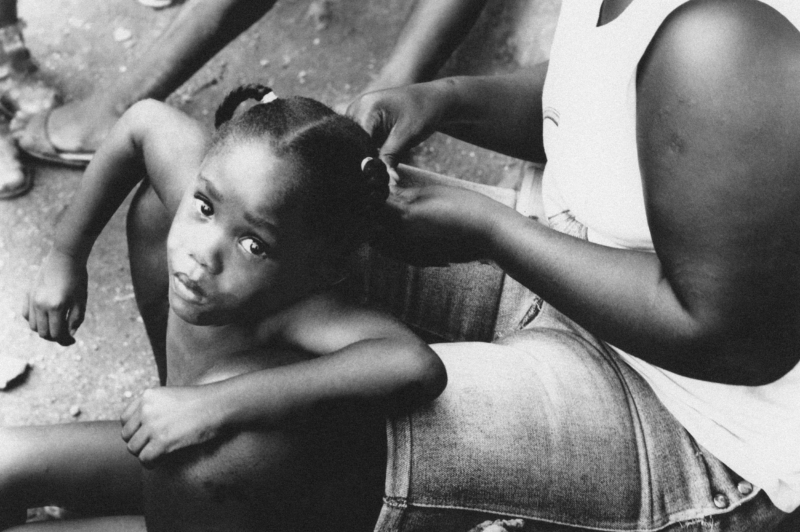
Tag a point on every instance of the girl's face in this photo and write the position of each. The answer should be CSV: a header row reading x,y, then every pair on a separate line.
x,y
237,248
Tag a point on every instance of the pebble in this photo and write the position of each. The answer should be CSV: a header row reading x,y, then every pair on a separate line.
x,y
74,411
127,394
264,62
122,34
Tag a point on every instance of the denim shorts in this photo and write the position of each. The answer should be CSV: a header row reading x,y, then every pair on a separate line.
x,y
540,420
550,425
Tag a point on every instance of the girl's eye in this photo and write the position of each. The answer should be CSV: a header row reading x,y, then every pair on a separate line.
x,y
203,207
254,246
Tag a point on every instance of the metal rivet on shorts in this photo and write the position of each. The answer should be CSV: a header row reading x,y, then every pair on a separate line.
x,y
720,501
745,488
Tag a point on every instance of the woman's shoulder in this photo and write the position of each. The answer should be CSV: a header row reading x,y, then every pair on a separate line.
x,y
740,57
718,36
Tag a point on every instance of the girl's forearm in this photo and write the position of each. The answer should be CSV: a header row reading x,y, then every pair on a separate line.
x,y
386,374
114,171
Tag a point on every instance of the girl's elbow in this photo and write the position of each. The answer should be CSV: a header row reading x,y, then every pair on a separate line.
x,y
430,372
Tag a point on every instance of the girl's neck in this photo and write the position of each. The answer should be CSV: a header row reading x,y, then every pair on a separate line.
x,y
194,350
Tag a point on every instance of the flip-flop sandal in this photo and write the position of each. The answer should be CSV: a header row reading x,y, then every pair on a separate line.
x,y
24,187
34,141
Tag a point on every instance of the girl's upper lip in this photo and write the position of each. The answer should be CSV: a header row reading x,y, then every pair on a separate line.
x,y
190,284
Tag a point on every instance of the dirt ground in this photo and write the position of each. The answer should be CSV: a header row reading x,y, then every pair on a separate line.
x,y
73,40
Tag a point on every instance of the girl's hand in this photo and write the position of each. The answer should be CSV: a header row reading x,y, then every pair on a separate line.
x,y
399,119
438,225
163,420
55,306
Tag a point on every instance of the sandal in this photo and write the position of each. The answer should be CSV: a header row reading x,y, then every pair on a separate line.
x,y
34,141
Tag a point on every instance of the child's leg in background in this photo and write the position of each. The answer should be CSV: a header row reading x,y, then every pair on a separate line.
x,y
148,227
82,466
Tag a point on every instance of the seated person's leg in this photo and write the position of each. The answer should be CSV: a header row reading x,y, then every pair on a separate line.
x,y
84,467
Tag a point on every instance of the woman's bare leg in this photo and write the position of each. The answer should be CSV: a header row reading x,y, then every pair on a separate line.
x,y
85,467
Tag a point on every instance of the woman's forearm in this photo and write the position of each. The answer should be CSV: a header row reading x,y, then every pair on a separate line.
x,y
500,113
621,296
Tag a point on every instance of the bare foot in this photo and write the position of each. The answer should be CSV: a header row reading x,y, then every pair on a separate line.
x,y
81,126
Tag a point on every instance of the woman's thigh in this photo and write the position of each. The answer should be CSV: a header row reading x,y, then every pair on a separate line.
x,y
85,467
552,427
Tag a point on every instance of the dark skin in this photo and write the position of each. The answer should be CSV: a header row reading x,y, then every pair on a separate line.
x,y
718,301
256,428
639,299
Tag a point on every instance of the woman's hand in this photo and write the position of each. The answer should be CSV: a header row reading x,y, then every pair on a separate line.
x,y
399,119
55,306
163,420
438,225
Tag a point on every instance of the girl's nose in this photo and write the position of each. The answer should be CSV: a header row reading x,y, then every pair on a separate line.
x,y
206,252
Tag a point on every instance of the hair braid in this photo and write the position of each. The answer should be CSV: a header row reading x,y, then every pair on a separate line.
x,y
235,98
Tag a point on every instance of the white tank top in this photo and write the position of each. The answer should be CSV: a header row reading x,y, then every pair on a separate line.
x,y
592,170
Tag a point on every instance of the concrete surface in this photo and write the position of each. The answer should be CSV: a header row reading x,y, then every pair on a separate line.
x,y
73,41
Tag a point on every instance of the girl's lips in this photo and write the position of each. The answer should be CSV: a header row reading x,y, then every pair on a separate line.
x,y
187,289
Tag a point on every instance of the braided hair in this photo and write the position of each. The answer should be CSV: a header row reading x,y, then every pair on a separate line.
x,y
340,179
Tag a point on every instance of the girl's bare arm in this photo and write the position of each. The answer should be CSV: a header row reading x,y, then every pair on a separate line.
x,y
151,141
358,358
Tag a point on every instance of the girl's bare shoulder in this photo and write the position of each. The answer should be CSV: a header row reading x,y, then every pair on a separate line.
x,y
326,322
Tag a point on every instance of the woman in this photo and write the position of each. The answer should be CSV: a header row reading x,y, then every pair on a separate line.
x,y
667,398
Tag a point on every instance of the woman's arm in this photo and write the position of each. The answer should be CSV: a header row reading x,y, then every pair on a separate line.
x,y
718,129
151,141
501,113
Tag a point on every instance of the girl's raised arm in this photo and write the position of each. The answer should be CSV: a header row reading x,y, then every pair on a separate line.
x,y
151,141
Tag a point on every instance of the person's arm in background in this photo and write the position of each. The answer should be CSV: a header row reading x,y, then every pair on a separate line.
x,y
718,128
433,30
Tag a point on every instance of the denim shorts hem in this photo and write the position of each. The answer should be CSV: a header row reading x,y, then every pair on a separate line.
x,y
395,509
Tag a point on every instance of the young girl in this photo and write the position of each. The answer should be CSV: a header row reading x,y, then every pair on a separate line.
x,y
263,216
